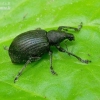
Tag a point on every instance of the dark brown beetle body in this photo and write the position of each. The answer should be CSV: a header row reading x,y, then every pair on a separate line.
x,y
35,43
31,45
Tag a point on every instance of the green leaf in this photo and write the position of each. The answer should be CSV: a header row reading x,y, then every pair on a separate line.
x,y
75,80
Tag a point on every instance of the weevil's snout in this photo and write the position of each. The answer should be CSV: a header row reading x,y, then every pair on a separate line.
x,y
70,37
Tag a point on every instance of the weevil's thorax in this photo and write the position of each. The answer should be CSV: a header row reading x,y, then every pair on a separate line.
x,y
56,37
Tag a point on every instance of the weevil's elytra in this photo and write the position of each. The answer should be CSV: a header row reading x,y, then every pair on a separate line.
x,y
31,45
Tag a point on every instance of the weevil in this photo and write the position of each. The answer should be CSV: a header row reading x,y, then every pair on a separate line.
x,y
31,45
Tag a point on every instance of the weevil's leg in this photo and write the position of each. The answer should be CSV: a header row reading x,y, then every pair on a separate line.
x,y
60,28
51,68
69,53
21,71
6,48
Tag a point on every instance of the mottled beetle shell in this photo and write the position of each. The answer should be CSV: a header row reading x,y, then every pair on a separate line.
x,y
32,43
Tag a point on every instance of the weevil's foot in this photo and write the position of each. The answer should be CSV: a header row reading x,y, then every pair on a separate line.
x,y
15,79
86,61
53,72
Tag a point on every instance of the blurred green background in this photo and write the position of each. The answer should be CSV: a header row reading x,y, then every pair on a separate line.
x,y
75,80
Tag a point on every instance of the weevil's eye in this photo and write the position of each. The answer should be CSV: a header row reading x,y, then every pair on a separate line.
x,y
70,37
